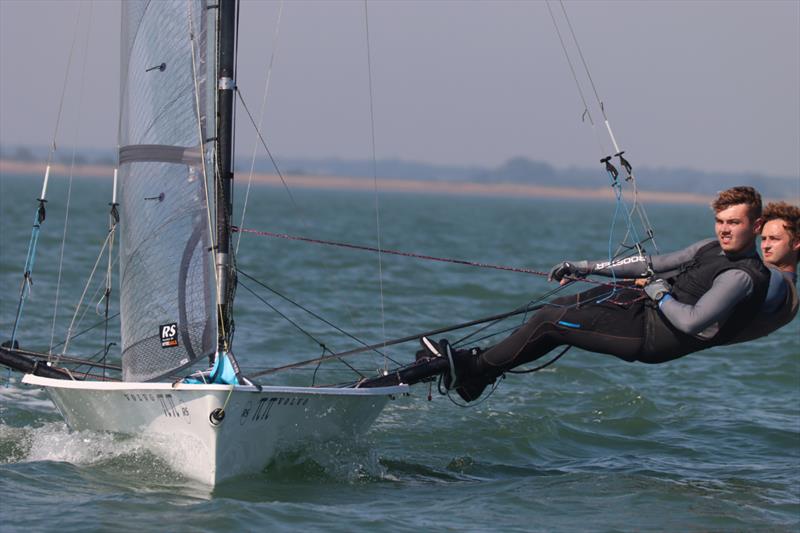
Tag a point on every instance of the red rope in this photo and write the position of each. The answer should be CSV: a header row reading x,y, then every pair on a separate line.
x,y
410,254
390,252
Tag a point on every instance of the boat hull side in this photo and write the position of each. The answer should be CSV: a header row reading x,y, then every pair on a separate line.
x,y
178,424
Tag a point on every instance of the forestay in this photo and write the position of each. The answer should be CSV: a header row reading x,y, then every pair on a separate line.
x,y
166,269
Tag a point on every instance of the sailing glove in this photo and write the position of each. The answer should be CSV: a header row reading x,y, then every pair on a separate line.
x,y
657,289
577,269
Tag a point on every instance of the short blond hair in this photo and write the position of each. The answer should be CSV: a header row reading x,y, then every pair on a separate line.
x,y
739,195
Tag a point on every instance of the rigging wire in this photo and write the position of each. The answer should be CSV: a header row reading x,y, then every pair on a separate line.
x,y
68,359
375,173
64,86
27,280
87,307
400,340
260,119
90,328
83,295
71,176
636,205
586,112
313,314
636,208
269,152
387,251
200,134
588,73
295,324
541,298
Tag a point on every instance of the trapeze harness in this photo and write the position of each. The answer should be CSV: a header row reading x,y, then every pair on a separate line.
x,y
627,326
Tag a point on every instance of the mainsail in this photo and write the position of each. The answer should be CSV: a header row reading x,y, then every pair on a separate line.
x,y
168,314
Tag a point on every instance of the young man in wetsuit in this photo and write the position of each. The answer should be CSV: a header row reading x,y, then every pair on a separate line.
x,y
699,297
780,247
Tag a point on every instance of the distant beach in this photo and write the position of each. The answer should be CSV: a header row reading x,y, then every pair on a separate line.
x,y
431,186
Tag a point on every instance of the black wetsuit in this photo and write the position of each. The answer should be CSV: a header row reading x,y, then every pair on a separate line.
x,y
714,295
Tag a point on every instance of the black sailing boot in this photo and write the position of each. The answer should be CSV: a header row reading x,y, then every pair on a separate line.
x,y
466,375
430,349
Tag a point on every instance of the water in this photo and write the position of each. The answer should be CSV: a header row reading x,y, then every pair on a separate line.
x,y
707,442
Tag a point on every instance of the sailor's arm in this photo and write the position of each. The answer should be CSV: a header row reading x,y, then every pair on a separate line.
x,y
713,308
630,267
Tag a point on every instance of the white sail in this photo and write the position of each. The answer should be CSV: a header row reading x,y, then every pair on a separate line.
x,y
166,270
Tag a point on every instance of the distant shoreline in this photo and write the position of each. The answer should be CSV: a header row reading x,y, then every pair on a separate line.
x,y
463,188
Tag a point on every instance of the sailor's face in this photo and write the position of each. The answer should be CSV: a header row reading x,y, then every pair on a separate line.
x,y
735,231
777,245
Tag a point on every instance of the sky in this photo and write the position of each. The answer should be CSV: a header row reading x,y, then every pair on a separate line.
x,y
709,85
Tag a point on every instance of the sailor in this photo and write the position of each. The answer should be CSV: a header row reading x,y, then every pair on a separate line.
x,y
780,248
702,296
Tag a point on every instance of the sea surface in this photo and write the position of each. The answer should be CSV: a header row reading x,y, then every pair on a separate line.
x,y
709,442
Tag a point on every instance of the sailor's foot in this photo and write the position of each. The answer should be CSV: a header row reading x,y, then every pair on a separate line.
x,y
464,374
430,349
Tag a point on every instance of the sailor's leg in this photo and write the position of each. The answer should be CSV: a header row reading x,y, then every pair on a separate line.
x,y
605,328
531,341
588,320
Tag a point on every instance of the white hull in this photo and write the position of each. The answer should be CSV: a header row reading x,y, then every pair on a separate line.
x,y
257,423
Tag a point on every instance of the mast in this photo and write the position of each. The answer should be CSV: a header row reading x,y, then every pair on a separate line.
x,y
226,86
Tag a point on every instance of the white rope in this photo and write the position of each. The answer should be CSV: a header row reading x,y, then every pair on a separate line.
x,y
94,297
71,175
375,179
260,121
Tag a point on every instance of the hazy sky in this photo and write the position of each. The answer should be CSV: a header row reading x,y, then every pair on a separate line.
x,y
708,85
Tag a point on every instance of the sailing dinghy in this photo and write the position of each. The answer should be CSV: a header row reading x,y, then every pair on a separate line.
x,y
177,271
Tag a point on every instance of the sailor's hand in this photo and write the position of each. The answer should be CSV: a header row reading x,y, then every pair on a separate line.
x,y
563,270
657,289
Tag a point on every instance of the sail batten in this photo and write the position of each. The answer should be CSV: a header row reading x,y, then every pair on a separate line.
x,y
168,318
159,153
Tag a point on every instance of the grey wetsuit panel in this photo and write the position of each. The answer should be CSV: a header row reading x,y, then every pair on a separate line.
x,y
704,318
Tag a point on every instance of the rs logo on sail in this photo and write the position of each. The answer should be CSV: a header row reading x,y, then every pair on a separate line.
x,y
169,335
